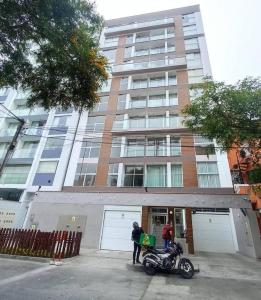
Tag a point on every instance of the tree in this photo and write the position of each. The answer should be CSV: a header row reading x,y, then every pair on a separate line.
x,y
50,47
229,113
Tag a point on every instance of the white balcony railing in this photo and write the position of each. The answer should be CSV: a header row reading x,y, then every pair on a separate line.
x,y
139,25
145,65
7,132
127,125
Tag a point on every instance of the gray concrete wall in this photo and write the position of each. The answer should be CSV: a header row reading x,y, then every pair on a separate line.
x,y
247,233
12,207
46,217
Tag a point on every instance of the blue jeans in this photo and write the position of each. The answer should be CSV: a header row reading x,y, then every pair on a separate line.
x,y
166,243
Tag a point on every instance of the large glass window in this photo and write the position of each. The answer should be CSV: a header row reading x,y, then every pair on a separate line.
x,y
156,121
176,175
190,30
90,147
156,100
142,37
47,167
189,18
121,102
156,175
174,121
53,144
193,60
157,81
156,147
195,76
127,52
138,101
60,121
116,147
173,99
172,79
141,52
124,83
191,44
15,174
139,83
95,124
106,86
204,146
208,176
85,174
111,41
170,32
133,176
135,147
113,175
137,122
110,55
102,104
175,147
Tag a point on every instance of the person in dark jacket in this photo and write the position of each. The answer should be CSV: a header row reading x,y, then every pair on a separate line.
x,y
135,237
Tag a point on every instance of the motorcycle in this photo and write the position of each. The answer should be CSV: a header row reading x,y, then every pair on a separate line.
x,y
167,260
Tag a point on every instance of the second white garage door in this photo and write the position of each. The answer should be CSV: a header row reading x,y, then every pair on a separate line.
x,y
117,228
213,233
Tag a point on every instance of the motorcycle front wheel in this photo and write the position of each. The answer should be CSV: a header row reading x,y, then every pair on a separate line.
x,y
186,268
149,268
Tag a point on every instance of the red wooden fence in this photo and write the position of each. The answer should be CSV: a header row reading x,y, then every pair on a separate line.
x,y
56,244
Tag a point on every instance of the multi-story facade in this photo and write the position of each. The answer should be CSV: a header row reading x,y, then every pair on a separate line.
x,y
131,158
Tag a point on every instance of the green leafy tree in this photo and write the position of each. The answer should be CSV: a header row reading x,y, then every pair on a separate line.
x,y
50,47
229,113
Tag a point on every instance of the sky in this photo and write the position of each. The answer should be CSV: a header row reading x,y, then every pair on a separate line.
x,y
232,28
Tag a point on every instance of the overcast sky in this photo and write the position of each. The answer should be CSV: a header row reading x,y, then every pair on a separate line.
x,y
232,27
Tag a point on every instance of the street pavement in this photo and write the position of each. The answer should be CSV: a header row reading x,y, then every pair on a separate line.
x,y
110,275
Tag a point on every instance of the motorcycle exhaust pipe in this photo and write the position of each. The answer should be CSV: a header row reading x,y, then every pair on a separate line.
x,y
155,264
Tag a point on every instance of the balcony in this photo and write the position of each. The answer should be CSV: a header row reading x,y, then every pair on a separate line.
x,y
161,124
156,65
30,112
7,132
24,153
138,26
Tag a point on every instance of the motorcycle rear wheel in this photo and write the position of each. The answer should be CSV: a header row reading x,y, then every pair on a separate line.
x,y
186,268
149,269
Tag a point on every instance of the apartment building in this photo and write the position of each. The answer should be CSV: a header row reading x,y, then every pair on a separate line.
x,y
131,158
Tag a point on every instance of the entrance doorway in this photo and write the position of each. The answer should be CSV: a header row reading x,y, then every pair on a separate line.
x,y
158,218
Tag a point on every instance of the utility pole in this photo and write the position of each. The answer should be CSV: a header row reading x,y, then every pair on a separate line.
x,y
13,143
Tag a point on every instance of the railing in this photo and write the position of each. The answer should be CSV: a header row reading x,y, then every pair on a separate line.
x,y
135,66
24,153
13,178
56,244
34,132
126,125
7,132
139,25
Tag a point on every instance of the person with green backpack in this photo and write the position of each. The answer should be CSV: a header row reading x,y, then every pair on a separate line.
x,y
135,237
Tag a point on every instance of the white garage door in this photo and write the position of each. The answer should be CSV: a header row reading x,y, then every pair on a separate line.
x,y
117,228
213,233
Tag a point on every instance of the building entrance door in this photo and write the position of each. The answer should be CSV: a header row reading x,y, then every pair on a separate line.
x,y
158,218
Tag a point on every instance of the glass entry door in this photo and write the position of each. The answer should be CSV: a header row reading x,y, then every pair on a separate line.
x,y
158,218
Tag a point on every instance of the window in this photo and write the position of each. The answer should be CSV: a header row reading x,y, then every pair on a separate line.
x,y
189,18
137,122
141,52
135,147
156,147
174,121
176,175
102,105
110,55
133,176
90,148
156,121
106,87
157,50
208,176
172,79
190,30
173,99
113,175
194,93
191,44
156,176
204,146
195,76
193,60
121,102
139,83
85,174
129,39
111,42
170,32
53,144
116,147
175,148
157,81
138,102
60,121
156,100
3,148
124,83
157,34
95,124
142,37
171,47
47,167
127,52
15,174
